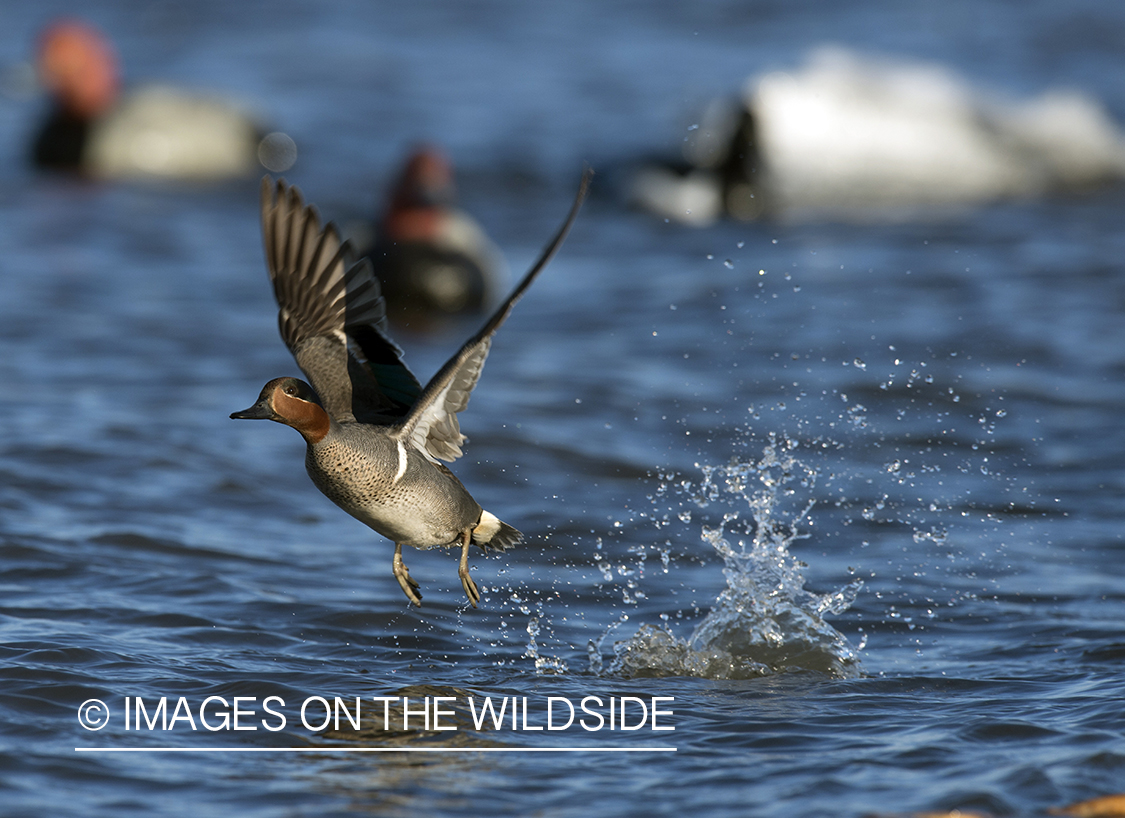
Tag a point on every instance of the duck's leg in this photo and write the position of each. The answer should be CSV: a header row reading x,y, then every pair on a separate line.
x,y
463,571
408,584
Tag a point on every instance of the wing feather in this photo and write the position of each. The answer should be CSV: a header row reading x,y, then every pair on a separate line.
x,y
331,313
431,426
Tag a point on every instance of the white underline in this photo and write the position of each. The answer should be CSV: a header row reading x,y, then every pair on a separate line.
x,y
375,749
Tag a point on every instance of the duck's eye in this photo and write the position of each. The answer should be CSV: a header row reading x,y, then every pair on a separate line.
x,y
291,391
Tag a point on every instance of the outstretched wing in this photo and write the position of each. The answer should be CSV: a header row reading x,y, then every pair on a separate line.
x,y
431,427
331,313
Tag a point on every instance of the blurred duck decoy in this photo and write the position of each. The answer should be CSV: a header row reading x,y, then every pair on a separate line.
x,y
432,258
860,137
154,131
375,438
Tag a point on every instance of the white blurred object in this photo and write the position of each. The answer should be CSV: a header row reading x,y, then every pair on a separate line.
x,y
851,131
868,138
158,131
694,198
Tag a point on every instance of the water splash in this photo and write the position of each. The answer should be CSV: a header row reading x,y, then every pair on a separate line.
x,y
764,621
538,625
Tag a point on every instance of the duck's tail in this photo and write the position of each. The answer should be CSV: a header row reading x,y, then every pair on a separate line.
x,y
493,535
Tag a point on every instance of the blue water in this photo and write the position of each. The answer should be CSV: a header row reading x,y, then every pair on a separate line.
x,y
860,483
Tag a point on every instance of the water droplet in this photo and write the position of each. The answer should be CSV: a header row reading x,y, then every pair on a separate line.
x,y
277,152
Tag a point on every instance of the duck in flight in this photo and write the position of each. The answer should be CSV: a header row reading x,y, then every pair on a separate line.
x,y
375,437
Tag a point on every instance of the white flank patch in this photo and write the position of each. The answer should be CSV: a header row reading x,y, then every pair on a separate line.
x,y
487,528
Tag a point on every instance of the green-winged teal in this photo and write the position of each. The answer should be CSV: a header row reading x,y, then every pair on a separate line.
x,y
375,437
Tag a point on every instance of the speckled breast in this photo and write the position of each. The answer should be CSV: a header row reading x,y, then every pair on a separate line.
x,y
424,508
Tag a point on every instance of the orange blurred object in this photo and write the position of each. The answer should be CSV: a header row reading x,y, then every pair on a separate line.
x,y
78,65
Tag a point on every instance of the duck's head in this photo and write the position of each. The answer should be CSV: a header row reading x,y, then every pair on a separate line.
x,y
292,402
77,65
426,180
423,193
